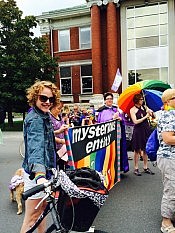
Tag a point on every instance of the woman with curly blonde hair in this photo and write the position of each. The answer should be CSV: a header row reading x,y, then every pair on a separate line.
x,y
39,147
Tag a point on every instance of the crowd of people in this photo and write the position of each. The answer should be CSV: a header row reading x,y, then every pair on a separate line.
x,y
44,128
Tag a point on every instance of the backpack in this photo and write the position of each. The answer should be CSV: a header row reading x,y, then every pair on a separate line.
x,y
152,146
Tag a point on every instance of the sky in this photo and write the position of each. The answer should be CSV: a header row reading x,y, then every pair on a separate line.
x,y
36,7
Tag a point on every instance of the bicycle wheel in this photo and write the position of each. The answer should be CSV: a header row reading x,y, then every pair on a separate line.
x,y
21,149
52,228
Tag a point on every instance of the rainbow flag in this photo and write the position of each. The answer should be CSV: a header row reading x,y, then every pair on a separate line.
x,y
98,147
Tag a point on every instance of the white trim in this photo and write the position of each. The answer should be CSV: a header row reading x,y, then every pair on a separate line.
x,y
75,63
171,36
124,47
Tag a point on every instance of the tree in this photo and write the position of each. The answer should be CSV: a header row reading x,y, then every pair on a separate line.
x,y
134,77
23,58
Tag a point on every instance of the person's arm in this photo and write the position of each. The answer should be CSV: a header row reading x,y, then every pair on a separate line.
x,y
59,140
35,147
151,113
134,119
168,137
61,129
116,116
83,122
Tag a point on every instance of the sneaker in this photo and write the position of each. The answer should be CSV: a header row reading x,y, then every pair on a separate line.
x,y
167,229
148,171
137,172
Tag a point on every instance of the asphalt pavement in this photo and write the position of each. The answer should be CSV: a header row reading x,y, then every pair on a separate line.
x,y
133,204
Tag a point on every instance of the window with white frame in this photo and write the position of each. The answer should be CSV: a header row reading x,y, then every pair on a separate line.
x,y
65,80
147,42
85,37
86,79
64,40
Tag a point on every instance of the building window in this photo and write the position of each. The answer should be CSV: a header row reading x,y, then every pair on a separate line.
x,y
147,42
86,79
85,38
65,80
64,40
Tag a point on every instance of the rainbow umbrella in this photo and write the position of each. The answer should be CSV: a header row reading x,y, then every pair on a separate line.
x,y
151,90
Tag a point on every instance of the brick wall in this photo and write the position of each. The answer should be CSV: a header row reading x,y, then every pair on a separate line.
x,y
74,38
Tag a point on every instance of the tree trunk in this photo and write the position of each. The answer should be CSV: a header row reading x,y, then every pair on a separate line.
x,y
10,119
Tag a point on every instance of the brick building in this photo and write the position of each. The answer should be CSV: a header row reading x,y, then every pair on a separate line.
x,y
93,40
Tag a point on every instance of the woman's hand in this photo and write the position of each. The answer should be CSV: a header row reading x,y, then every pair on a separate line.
x,y
150,112
116,116
147,115
42,180
61,129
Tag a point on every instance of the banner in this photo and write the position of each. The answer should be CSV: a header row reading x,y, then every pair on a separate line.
x,y
98,147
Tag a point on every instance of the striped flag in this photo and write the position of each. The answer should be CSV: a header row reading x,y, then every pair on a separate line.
x,y
69,150
117,81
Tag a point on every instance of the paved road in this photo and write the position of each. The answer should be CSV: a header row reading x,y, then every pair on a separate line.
x,y
10,160
133,205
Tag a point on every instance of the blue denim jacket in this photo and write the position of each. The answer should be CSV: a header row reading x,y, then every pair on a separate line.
x,y
39,142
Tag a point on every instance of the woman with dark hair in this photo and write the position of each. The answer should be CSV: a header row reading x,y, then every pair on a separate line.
x,y
108,111
139,115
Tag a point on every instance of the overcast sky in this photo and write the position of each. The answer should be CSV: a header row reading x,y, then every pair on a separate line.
x,y
36,7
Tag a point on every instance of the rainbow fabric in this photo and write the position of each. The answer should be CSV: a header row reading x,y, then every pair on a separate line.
x,y
105,160
168,108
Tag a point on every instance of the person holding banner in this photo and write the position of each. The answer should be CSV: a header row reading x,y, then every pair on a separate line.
x,y
108,111
59,126
111,112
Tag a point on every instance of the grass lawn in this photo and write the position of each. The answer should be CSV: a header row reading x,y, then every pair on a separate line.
x,y
17,126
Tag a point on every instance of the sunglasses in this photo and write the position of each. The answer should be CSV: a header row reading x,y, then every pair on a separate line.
x,y
44,98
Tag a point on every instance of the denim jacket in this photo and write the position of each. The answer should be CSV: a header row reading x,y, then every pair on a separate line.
x,y
39,142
